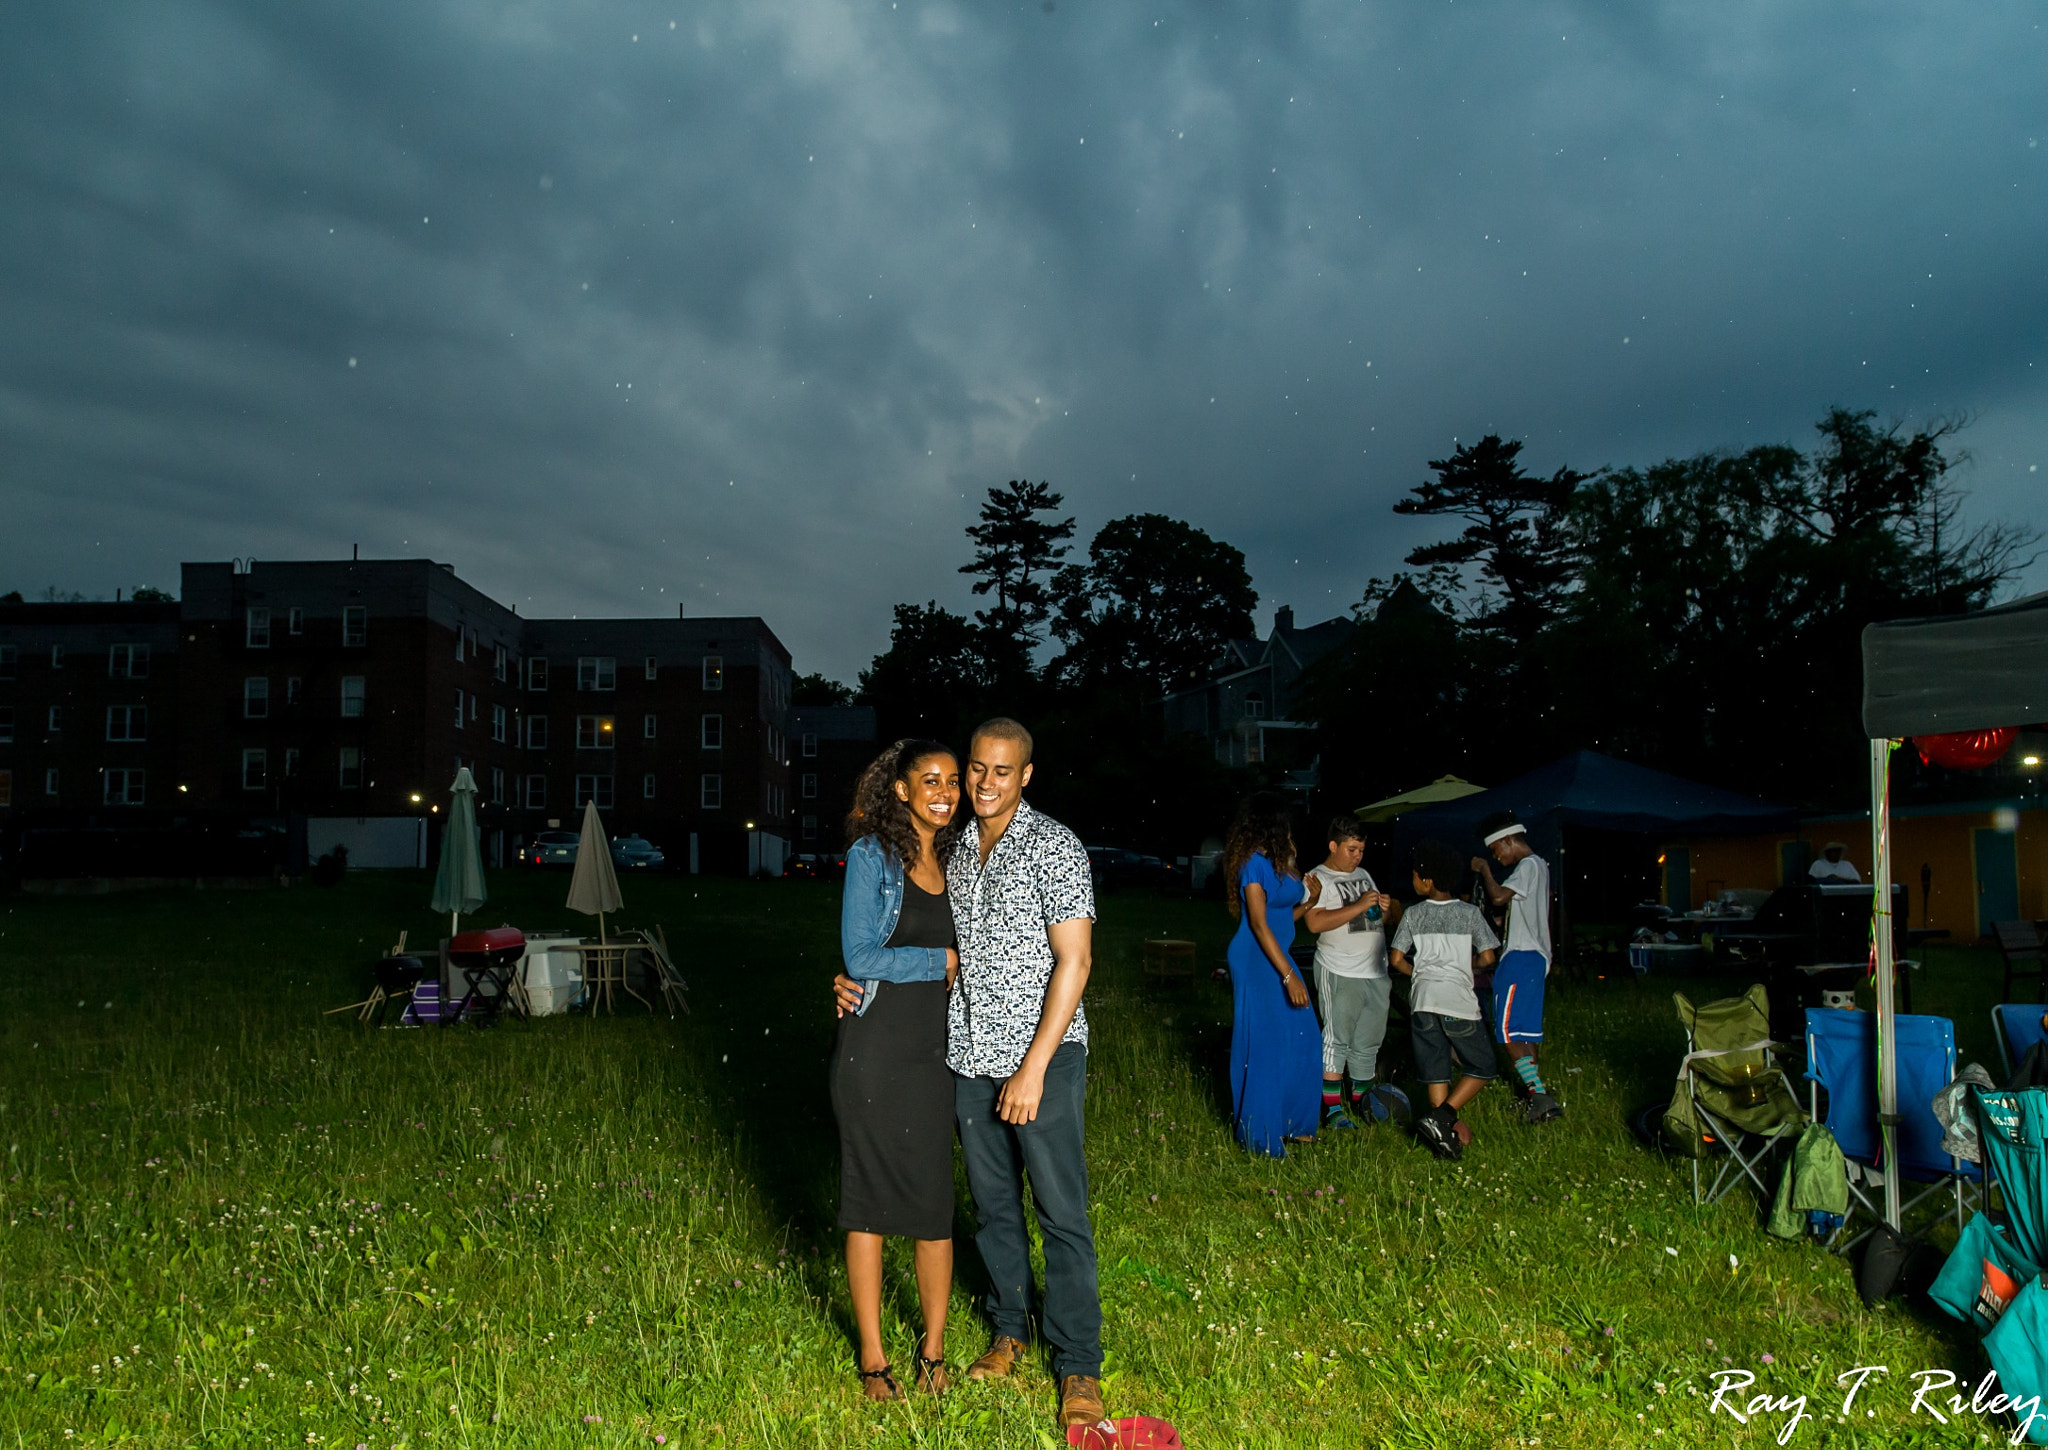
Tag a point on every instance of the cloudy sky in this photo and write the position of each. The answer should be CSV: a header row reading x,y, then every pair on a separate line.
x,y
742,306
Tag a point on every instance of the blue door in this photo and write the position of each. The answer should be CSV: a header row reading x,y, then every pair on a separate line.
x,y
1678,878
1998,878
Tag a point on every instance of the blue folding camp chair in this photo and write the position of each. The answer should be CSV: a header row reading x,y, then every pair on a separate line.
x,y
1841,1059
2019,1029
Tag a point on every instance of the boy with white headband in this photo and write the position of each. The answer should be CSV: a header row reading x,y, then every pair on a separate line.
x,y
1525,962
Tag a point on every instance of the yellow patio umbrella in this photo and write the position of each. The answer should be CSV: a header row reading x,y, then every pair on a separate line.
x,y
1443,788
594,887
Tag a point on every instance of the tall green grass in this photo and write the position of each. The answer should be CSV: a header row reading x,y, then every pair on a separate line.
x,y
226,1219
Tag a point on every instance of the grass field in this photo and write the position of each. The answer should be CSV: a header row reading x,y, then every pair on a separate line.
x,y
226,1219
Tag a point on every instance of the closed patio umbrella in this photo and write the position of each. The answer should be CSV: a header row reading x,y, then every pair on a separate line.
x,y
459,883
594,888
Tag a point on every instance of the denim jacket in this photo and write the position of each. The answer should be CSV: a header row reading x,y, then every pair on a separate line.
x,y
868,914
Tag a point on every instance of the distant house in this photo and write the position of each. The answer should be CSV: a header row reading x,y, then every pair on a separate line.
x,y
1247,708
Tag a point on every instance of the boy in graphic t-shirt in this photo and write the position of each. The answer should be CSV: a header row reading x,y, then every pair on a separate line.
x,y
1351,917
1439,943
1525,965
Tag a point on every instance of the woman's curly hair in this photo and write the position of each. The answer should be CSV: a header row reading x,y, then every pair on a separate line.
x,y
1262,824
877,812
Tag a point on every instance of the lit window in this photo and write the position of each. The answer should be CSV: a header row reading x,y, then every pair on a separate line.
x,y
714,672
355,626
711,733
352,697
257,628
711,792
597,673
595,732
255,769
256,698
127,722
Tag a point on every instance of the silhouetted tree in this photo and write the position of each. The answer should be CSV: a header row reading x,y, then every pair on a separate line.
x,y
930,679
1016,551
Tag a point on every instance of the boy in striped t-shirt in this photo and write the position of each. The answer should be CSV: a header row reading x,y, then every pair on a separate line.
x,y
1438,944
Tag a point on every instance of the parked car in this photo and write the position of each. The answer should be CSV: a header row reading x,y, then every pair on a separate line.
x,y
1113,866
636,853
552,848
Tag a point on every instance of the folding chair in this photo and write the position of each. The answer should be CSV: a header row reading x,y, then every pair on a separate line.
x,y
2019,1030
1841,1059
2020,944
1736,1090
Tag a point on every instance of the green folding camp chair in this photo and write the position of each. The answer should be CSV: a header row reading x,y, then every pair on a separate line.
x,y
1731,1095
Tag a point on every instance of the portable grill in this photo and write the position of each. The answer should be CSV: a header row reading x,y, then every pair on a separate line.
x,y
486,957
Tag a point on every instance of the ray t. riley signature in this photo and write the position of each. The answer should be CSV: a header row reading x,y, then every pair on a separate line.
x,y
1934,1394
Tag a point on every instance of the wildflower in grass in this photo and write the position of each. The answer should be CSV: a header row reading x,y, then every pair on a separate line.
x,y
1770,1359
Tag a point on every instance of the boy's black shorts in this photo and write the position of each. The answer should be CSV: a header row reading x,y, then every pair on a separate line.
x,y
1448,1047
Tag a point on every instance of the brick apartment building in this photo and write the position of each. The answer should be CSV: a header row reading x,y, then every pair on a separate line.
x,y
834,744
347,694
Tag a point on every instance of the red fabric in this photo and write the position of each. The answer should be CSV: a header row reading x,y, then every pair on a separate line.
x,y
1966,749
496,939
1136,1432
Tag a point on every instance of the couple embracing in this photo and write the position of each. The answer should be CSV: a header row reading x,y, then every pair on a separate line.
x,y
967,943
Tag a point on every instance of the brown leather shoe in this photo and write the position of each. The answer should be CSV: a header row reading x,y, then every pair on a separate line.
x,y
1081,1400
1001,1358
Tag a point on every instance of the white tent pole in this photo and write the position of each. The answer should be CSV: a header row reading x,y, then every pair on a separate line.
x,y
1881,938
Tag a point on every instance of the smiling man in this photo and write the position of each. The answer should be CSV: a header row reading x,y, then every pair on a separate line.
x,y
1017,1041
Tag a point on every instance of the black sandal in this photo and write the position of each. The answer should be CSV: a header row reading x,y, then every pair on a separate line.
x,y
880,1384
931,1374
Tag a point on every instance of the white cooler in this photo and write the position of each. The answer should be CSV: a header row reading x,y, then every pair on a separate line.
x,y
552,971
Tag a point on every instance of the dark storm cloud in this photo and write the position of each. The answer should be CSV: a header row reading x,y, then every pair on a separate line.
x,y
741,306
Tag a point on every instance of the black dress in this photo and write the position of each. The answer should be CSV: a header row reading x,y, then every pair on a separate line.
x,y
893,1094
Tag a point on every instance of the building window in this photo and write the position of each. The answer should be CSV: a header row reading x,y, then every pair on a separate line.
x,y
537,675
6,787
351,777
127,722
291,762
295,621
1255,707
646,727
498,662
536,792
256,628
458,710
56,656
497,786
810,828
536,732
352,697
128,662
597,672
595,732
594,788
810,744
650,667
256,698
255,769
6,724
293,688
355,626
56,720
714,672
121,788
711,732
10,661
810,787
50,782
711,792
499,717
647,786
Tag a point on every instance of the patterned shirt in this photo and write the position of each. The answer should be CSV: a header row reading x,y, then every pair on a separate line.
x,y
1440,940
1035,878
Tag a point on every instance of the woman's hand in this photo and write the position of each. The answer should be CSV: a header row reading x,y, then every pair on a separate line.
x,y
1297,990
952,967
846,994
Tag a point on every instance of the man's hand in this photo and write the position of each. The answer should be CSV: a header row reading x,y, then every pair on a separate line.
x,y
847,994
1017,1103
1483,867
1297,990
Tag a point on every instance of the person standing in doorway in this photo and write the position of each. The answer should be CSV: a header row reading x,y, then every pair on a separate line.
x,y
1524,967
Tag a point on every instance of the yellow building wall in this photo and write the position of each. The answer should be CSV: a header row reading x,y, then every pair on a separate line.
x,y
1945,845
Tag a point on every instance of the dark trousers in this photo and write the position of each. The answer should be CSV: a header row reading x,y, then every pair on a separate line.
x,y
1049,1148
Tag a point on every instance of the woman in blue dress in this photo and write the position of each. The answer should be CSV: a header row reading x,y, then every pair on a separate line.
x,y
1276,1047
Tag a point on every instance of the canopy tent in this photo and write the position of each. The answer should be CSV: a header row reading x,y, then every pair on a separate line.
x,y
1443,788
1586,788
1938,676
